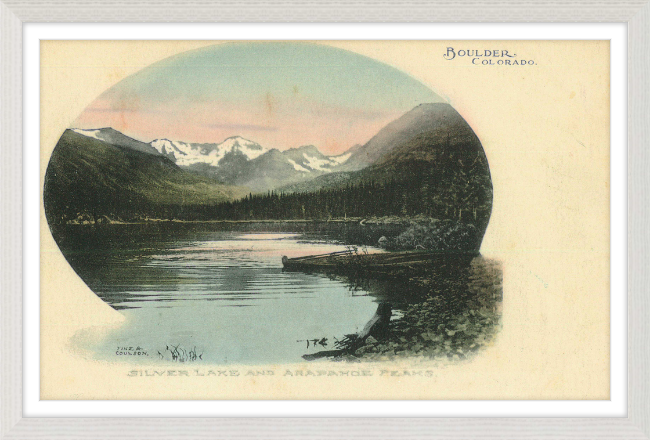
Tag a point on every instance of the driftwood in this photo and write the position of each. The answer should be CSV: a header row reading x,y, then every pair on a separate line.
x,y
377,264
378,324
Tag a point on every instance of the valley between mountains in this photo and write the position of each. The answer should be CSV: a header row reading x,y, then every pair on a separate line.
x,y
426,164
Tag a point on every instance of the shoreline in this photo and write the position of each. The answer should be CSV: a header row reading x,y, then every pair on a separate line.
x,y
357,220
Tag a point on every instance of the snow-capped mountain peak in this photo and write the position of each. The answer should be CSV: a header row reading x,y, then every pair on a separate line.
x,y
308,158
186,154
238,141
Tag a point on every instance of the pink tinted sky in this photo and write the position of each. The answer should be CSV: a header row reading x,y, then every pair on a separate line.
x,y
281,95
273,123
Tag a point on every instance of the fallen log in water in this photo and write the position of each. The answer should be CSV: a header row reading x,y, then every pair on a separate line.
x,y
381,263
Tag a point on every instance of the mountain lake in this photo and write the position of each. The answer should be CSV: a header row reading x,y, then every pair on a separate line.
x,y
216,293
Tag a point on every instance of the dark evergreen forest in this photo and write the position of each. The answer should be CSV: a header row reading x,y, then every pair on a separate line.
x,y
430,193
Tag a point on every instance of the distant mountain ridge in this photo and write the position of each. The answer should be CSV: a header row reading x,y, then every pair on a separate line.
x,y
236,160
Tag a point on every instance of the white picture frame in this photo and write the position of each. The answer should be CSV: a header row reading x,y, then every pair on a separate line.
x,y
13,425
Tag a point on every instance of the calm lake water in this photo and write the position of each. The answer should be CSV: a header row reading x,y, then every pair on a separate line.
x,y
219,294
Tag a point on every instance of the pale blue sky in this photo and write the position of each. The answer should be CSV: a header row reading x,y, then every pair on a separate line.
x,y
279,94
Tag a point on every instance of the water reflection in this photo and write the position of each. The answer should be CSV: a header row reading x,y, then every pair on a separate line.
x,y
220,294
206,293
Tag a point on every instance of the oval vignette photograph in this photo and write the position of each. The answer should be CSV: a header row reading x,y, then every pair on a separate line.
x,y
265,203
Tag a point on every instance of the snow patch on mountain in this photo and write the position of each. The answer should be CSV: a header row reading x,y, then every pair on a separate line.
x,y
317,164
298,167
341,158
93,133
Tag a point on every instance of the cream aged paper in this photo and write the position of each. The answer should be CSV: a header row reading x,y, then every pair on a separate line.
x,y
325,220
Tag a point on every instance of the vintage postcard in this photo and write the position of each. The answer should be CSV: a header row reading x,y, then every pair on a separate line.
x,y
325,220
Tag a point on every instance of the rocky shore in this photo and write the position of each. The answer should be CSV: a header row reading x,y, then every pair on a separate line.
x,y
456,313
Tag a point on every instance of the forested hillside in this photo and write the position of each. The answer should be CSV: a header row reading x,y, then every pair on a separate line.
x,y
90,179
423,190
